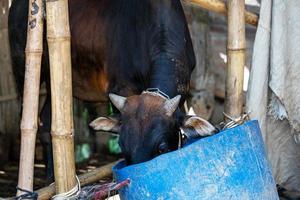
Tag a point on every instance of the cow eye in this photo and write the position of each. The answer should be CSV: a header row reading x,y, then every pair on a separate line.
x,y
162,148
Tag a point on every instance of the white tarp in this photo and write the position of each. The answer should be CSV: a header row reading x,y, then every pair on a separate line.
x,y
274,87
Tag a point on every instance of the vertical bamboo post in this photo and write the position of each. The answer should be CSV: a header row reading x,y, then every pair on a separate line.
x,y
34,48
58,37
236,58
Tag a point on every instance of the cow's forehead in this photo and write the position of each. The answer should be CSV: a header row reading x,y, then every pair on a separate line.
x,y
142,110
147,100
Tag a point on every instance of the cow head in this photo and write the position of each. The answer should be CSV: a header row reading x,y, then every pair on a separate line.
x,y
149,125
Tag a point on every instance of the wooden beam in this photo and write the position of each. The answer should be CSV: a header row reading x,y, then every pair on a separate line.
x,y
85,179
219,6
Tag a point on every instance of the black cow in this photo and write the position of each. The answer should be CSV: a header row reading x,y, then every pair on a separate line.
x,y
137,51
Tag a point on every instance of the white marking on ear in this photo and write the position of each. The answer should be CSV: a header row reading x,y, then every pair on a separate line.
x,y
194,127
105,124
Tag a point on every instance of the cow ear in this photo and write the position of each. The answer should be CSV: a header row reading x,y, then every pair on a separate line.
x,y
106,124
171,105
194,127
118,101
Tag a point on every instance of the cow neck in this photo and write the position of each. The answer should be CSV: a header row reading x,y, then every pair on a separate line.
x,y
163,76
164,89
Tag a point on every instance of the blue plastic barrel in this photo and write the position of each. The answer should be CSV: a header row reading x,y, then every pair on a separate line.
x,y
229,165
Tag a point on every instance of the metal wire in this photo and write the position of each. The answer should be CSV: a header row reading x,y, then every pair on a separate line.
x,y
233,122
71,195
27,195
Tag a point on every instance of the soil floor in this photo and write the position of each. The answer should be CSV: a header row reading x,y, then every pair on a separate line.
x,y
9,176
9,173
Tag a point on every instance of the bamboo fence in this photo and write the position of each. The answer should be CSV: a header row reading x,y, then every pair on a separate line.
x,y
58,37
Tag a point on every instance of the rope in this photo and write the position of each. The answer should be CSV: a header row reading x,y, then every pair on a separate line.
x,y
27,194
157,91
70,195
233,122
105,190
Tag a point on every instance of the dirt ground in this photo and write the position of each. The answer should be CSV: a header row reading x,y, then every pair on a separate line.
x,y
9,176
9,173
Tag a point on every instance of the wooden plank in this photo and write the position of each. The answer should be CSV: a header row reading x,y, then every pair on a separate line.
x,y
219,6
9,111
85,179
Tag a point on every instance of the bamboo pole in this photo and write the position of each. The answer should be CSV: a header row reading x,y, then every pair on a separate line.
x,y
58,37
219,6
85,179
236,58
34,48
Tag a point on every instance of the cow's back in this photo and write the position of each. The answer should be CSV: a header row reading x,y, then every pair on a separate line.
x,y
110,45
